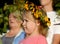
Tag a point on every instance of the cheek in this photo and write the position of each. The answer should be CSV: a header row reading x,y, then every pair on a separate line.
x,y
31,26
16,23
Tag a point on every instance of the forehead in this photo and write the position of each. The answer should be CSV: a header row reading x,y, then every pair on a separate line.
x,y
14,15
28,15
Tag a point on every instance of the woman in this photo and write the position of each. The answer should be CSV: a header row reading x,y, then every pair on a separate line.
x,y
15,32
54,30
35,25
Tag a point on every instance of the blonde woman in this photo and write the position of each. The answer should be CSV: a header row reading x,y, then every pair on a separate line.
x,y
15,33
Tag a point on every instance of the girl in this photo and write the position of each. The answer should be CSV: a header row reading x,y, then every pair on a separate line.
x,y
35,23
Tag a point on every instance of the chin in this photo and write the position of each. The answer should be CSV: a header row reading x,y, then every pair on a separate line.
x,y
27,32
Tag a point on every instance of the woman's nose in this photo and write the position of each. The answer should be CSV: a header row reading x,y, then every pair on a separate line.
x,y
11,19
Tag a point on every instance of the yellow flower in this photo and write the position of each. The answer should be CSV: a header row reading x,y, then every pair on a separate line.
x,y
48,23
36,7
36,15
46,19
26,1
26,6
40,13
32,4
33,10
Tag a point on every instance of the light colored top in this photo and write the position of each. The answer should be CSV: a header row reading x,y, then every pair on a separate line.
x,y
37,39
20,36
55,26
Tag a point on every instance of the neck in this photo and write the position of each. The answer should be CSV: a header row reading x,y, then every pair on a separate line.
x,y
14,31
15,28
48,7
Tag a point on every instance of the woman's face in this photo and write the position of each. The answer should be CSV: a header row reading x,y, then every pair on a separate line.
x,y
13,21
45,2
28,24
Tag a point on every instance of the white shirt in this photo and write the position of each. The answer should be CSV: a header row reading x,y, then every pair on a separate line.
x,y
54,28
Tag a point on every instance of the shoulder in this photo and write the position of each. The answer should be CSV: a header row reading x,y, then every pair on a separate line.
x,y
36,40
51,15
20,33
42,38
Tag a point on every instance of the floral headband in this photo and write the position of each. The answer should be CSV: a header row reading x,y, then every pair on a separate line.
x,y
38,13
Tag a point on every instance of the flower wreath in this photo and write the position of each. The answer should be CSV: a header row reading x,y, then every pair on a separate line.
x,y
38,13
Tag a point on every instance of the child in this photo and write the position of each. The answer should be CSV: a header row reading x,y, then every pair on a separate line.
x,y
35,23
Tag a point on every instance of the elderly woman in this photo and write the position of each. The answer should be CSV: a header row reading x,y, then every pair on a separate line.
x,y
16,32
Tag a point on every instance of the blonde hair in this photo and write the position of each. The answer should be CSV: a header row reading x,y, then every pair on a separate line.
x,y
41,29
17,15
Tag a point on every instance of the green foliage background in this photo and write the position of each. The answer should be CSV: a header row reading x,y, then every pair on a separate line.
x,y
4,16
